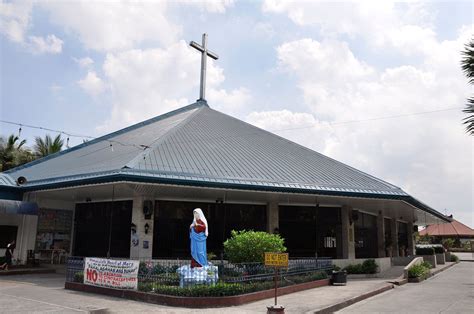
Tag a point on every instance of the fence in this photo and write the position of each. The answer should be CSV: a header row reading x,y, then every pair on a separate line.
x,y
179,273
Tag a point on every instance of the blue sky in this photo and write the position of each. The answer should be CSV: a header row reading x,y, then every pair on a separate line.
x,y
93,67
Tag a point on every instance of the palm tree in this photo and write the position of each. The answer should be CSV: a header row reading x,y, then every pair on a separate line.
x,y
467,65
48,146
13,153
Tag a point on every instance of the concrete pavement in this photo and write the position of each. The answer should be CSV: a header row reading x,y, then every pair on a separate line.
x,y
451,291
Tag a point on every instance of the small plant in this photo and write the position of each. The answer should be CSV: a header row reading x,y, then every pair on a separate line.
x,y
79,277
418,271
250,246
454,258
211,256
427,264
354,269
424,251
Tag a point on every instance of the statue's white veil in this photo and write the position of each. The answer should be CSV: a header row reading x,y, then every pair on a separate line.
x,y
202,217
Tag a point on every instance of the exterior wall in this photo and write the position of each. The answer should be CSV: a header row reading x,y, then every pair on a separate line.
x,y
348,248
384,263
380,235
26,236
138,218
394,235
272,216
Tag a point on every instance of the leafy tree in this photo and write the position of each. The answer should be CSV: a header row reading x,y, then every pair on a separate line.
x,y
467,65
48,146
13,152
250,246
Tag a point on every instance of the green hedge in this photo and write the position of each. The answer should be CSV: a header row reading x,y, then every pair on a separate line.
x,y
418,271
454,258
367,267
424,251
438,250
227,289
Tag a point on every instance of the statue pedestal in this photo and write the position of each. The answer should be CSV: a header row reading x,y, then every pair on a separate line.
x,y
207,275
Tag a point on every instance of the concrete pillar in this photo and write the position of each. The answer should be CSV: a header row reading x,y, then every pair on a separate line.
x,y
144,249
272,216
411,239
380,235
394,236
348,248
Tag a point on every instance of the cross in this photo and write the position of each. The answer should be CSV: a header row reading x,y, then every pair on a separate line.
x,y
204,53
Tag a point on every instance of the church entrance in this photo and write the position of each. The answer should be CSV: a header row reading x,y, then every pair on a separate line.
x,y
365,234
172,220
310,231
102,228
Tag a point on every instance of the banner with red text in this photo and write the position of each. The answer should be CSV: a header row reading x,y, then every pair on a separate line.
x,y
118,274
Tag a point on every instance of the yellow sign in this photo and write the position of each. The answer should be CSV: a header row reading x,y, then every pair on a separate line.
x,y
276,259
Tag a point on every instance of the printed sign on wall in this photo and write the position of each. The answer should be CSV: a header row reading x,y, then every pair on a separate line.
x,y
118,274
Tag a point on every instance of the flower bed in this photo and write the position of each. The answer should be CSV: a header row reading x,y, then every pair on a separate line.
x,y
419,272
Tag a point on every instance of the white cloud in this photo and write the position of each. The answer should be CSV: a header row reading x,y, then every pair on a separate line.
x,y
84,62
406,26
14,19
50,44
114,25
92,84
212,6
233,102
424,154
147,82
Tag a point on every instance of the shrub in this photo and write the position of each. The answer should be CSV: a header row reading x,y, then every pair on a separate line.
x,y
418,271
369,266
354,269
438,250
424,251
250,246
427,264
454,258
79,277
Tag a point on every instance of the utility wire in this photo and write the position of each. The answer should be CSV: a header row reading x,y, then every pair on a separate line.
x,y
144,147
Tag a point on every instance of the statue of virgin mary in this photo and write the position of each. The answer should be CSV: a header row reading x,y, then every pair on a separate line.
x,y
198,232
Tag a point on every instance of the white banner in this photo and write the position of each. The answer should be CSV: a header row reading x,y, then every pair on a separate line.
x,y
118,274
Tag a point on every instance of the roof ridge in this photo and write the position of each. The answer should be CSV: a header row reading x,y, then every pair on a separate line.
x,y
192,106
132,163
313,151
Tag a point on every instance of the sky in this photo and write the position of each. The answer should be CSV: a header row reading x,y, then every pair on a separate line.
x,y
374,84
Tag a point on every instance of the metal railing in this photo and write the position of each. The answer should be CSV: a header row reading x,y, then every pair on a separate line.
x,y
178,272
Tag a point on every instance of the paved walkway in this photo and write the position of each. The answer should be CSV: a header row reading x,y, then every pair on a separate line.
x,y
451,291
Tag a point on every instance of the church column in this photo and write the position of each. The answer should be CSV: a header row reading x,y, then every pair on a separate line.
x,y
380,235
144,247
394,236
272,215
411,239
348,248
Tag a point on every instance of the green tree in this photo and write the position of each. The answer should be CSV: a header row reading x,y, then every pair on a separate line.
x,y
13,152
467,65
48,146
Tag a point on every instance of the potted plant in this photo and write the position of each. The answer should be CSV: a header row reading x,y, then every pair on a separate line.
x,y
339,277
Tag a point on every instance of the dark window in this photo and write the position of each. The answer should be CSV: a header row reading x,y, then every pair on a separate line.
x,y
402,236
7,235
309,230
172,220
97,224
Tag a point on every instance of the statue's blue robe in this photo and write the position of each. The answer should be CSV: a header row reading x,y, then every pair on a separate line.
x,y
198,247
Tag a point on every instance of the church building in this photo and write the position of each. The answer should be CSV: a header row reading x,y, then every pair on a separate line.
x,y
131,193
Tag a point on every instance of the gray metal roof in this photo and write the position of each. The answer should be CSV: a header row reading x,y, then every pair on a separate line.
x,y
197,143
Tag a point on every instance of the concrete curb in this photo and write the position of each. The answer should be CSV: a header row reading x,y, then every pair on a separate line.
x,y
442,269
339,306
